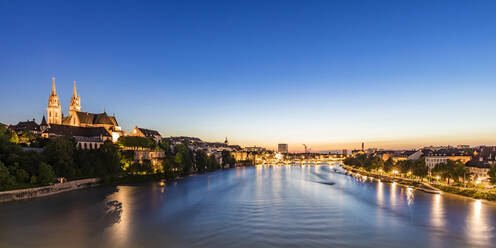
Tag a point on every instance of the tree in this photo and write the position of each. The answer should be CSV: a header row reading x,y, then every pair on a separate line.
x,y
420,169
405,166
389,165
170,168
13,137
492,174
228,159
458,170
21,176
27,138
59,153
110,159
33,180
442,171
451,170
45,173
201,160
184,158
212,163
165,145
145,167
40,142
350,161
373,163
6,179
136,142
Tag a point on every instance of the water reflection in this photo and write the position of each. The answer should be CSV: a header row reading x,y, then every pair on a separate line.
x,y
392,195
251,207
120,208
437,212
380,193
409,195
478,229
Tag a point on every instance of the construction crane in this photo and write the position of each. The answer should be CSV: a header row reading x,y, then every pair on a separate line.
x,y
306,149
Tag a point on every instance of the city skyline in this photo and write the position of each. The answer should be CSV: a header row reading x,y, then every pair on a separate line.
x,y
293,74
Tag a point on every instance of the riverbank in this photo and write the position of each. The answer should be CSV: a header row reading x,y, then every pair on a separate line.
x,y
20,194
28,193
427,187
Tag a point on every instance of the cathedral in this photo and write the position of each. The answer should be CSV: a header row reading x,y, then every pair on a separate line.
x,y
77,118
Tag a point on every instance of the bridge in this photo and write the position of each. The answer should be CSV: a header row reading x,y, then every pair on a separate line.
x,y
302,162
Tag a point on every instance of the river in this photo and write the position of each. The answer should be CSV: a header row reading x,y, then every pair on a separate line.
x,y
269,206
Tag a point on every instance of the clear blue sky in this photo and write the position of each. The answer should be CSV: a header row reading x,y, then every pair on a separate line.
x,y
326,73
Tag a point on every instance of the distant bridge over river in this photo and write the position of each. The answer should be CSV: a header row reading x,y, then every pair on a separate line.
x,y
305,162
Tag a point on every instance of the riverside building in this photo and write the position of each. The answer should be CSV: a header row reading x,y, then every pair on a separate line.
x,y
282,148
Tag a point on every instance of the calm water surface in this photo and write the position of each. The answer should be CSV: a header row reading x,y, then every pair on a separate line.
x,y
250,207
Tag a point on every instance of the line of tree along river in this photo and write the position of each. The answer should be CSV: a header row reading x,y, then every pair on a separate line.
x,y
452,176
61,159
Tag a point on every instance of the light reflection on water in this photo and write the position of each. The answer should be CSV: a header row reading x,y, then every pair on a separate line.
x,y
479,231
437,212
251,207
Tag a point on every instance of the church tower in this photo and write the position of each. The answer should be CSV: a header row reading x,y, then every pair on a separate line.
x,y
75,102
54,111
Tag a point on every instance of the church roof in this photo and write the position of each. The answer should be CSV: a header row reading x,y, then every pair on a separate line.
x,y
26,126
56,129
93,119
149,132
43,122
66,120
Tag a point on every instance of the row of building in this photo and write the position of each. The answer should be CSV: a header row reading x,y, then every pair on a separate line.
x,y
477,159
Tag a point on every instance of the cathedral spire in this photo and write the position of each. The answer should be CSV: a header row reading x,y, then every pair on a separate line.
x,y
54,93
54,111
74,94
75,102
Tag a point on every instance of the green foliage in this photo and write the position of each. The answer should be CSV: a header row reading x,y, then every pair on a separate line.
x,y
59,153
388,165
6,179
144,168
27,138
416,167
13,137
127,159
420,169
212,163
475,193
136,142
165,145
45,174
170,169
16,166
21,176
39,142
373,163
110,158
201,161
451,170
492,174
33,180
350,161
368,163
228,159
184,159
178,159
60,158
